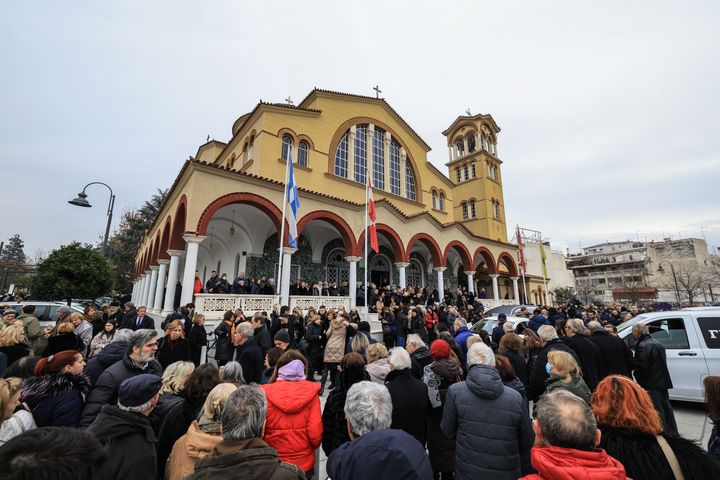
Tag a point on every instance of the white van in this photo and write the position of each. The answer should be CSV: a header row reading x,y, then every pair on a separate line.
x,y
691,339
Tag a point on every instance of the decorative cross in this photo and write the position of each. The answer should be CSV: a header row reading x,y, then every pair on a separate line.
x,y
289,101
377,91
468,112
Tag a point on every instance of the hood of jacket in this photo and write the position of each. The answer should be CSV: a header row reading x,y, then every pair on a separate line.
x,y
446,368
112,352
485,382
113,423
36,389
567,464
291,397
198,443
379,368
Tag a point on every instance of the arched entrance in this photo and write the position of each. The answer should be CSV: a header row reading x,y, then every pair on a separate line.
x,y
380,271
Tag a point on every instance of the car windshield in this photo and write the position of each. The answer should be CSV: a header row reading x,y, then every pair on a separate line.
x,y
632,321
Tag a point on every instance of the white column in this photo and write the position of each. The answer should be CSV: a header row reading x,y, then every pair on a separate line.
x,y
351,153
141,289
146,289
153,287
440,281
403,164
516,291
159,289
496,291
285,275
352,282
134,291
470,281
175,256
193,244
451,153
401,270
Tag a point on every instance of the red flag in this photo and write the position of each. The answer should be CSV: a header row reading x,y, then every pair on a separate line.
x,y
372,216
523,264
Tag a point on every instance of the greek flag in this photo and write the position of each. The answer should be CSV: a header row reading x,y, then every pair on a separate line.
x,y
294,201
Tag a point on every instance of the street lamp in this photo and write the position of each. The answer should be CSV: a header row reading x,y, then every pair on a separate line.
x,y
672,269
81,201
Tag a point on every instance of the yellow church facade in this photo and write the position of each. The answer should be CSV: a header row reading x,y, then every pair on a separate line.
x,y
224,210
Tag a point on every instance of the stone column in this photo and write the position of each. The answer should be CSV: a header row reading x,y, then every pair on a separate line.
x,y
193,244
153,286
440,282
146,288
175,256
352,281
496,291
401,266
285,275
465,144
471,281
159,289
451,153
516,291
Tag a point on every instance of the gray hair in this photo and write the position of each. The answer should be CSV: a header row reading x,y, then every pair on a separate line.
x,y
480,354
129,305
641,329
566,421
139,409
140,337
245,329
368,407
414,340
594,326
547,332
576,325
508,327
122,335
461,321
232,372
244,414
399,358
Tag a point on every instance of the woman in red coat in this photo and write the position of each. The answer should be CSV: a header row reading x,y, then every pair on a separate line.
x,y
294,423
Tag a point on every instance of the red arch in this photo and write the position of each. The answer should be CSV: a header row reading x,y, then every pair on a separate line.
x,y
461,250
165,240
435,253
336,221
155,250
261,203
488,257
178,225
392,237
509,262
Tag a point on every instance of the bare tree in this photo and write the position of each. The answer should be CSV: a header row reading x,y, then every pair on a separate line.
x,y
691,281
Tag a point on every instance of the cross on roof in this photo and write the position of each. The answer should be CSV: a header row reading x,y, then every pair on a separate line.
x,y
289,101
468,112
377,91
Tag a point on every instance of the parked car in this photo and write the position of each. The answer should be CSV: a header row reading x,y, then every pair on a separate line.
x,y
691,338
488,324
46,312
508,310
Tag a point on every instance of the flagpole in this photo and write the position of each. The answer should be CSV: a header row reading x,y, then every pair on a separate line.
x,y
543,257
365,255
282,222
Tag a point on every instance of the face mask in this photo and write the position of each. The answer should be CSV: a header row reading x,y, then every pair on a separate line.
x,y
547,368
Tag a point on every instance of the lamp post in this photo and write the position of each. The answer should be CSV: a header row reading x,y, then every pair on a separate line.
x,y
81,201
672,269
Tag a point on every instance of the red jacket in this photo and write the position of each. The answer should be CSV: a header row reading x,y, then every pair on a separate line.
x,y
567,464
294,423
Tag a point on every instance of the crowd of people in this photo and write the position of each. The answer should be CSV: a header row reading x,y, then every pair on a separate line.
x,y
102,395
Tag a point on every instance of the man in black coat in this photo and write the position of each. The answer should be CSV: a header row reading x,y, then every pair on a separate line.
x,y
139,321
111,354
419,355
126,429
616,355
138,360
499,331
538,375
591,361
652,374
409,396
248,355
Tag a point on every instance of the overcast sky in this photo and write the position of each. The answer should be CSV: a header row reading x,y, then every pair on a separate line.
x,y
609,110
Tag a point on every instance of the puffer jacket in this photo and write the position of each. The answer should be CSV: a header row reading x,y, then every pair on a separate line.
x,y
335,346
492,427
294,424
555,463
186,452
651,370
109,355
56,400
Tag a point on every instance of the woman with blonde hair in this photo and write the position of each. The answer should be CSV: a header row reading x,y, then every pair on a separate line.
x,y
13,343
13,423
173,347
565,373
202,436
632,433
378,364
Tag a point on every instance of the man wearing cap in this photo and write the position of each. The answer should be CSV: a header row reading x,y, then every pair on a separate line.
x,y
126,429
63,312
8,318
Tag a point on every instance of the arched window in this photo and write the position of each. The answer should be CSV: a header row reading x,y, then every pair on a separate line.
x,y
496,209
434,199
394,168
379,159
464,207
286,147
361,154
466,171
409,182
458,174
460,147
471,142
303,153
472,209
341,157
472,170
441,205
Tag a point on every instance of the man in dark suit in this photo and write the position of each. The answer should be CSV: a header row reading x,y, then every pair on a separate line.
x,y
141,320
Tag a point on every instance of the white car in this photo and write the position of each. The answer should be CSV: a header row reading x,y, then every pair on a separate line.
x,y
489,323
691,338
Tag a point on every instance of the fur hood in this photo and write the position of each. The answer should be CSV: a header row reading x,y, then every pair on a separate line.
x,y
37,389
